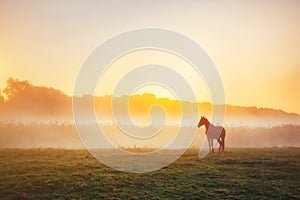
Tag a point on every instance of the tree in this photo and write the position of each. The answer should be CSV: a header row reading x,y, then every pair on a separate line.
x,y
1,98
15,87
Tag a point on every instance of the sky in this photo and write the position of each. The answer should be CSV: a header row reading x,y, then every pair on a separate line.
x,y
255,45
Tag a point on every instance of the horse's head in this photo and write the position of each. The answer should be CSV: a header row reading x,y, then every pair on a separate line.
x,y
203,121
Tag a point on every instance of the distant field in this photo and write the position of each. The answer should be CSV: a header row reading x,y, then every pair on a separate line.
x,y
266,173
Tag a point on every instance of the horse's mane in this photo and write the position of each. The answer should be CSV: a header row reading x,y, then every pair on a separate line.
x,y
211,124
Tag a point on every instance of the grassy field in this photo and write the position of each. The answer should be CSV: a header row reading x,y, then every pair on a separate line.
x,y
270,173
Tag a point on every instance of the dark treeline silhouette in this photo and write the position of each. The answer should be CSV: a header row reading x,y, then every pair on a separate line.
x,y
23,101
28,102
38,116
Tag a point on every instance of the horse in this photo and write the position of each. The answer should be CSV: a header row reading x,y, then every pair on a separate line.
x,y
213,132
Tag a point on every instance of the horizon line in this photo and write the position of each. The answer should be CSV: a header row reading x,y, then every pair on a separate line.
x,y
141,94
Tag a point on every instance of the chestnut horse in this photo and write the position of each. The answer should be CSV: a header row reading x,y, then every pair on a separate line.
x,y
213,132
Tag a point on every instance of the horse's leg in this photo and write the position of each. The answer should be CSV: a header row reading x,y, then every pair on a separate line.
x,y
223,144
220,144
212,145
223,140
209,147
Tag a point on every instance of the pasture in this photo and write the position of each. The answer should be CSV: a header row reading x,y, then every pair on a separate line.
x,y
261,173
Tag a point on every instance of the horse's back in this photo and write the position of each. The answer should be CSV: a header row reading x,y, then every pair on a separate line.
x,y
215,132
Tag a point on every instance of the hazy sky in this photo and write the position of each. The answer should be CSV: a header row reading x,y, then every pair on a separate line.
x,y
254,44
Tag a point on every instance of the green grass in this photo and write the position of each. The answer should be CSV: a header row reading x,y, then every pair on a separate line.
x,y
271,173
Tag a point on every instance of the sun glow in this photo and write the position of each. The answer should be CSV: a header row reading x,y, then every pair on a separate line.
x,y
256,53
133,60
